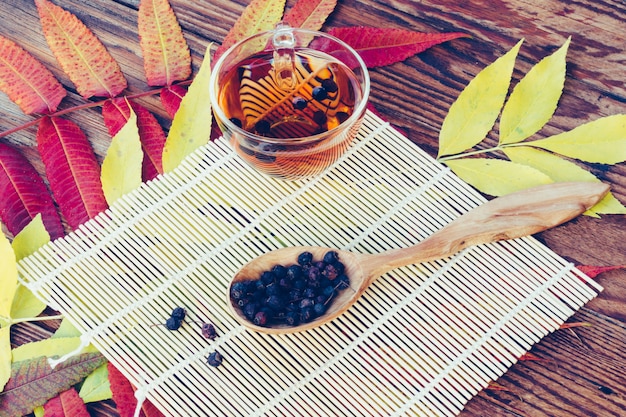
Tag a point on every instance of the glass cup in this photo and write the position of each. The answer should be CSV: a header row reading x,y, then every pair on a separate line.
x,y
289,101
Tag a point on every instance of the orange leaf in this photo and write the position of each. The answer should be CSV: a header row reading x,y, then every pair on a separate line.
x,y
258,16
26,81
574,325
166,56
593,271
82,56
309,14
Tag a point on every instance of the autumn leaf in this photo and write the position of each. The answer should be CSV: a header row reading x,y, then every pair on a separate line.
x,y
72,170
80,53
534,99
258,16
96,386
5,355
33,382
31,238
476,109
497,177
23,195
593,271
8,276
116,113
191,127
165,52
26,81
66,404
561,170
386,46
171,97
124,396
565,326
121,168
309,14
600,141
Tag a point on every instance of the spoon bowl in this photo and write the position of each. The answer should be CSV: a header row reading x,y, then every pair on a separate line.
x,y
512,216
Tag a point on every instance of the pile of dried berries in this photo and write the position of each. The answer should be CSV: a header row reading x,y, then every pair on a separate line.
x,y
291,294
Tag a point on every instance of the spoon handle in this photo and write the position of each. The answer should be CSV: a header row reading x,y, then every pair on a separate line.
x,y
514,215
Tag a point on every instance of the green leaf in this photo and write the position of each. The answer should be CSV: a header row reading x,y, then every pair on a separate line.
x,y
121,168
49,348
39,412
5,355
96,386
497,177
31,238
601,141
534,99
66,329
33,382
8,276
191,127
561,170
475,111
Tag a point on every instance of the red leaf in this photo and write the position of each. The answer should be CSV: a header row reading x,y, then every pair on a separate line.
x,y
165,52
124,396
116,113
574,325
171,97
379,47
531,357
72,170
594,271
26,81
309,14
79,52
67,404
23,194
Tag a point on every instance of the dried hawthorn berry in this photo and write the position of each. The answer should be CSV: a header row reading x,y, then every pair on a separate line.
x,y
319,117
331,257
179,313
236,122
330,85
262,127
305,258
215,359
319,93
260,318
208,331
299,103
173,323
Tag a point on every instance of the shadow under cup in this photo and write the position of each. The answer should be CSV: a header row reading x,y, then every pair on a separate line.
x,y
290,101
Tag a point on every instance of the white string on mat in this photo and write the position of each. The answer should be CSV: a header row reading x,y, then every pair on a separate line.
x,y
422,340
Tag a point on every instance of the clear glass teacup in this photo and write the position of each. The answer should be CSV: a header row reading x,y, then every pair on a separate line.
x,y
290,100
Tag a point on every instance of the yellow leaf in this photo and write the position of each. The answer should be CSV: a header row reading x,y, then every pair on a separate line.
x,y
66,329
39,411
561,170
191,127
8,276
49,348
475,111
31,238
5,356
96,386
121,168
602,141
497,177
534,99
25,304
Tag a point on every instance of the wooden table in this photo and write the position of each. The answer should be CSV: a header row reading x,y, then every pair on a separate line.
x,y
580,371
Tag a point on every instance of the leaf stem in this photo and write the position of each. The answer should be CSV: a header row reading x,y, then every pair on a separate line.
x,y
82,107
463,155
41,318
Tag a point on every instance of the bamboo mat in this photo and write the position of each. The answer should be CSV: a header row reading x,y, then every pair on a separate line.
x,y
422,341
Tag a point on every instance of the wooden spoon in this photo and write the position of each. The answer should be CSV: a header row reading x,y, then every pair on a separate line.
x,y
515,215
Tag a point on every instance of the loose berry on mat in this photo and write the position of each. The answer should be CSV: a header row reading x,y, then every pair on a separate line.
x,y
179,313
208,331
215,359
173,323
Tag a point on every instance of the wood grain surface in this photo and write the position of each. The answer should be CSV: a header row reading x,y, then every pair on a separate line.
x,y
579,371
